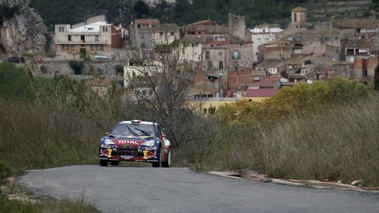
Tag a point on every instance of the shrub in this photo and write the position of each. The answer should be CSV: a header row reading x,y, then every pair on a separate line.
x,y
5,171
77,66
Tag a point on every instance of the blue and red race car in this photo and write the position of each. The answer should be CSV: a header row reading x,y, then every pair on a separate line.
x,y
135,140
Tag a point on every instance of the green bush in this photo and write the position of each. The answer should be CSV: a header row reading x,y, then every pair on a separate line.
x,y
77,66
5,171
15,83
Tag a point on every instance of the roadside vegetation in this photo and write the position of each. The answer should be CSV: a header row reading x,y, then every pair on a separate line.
x,y
325,131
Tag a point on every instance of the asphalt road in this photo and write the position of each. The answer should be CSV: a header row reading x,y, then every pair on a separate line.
x,y
145,189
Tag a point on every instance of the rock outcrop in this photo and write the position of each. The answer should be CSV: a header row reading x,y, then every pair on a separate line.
x,y
22,31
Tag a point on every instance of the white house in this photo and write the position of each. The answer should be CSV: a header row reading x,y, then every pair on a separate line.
x,y
262,34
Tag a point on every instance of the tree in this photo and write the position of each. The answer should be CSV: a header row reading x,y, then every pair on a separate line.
x,y
159,81
141,9
376,78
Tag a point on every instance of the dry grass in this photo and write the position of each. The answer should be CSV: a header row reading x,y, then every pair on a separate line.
x,y
36,137
338,144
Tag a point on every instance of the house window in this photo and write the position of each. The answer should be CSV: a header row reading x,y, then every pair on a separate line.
x,y
61,29
219,53
207,55
221,65
235,54
105,29
161,33
172,33
92,47
216,37
69,38
101,47
96,38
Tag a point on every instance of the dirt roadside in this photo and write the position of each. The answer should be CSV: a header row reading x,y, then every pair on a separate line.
x,y
253,175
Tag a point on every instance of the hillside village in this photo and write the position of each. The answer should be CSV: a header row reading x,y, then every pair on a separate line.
x,y
234,62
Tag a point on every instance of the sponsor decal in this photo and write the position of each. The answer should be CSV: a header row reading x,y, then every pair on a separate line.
x,y
147,154
126,156
109,152
151,148
128,142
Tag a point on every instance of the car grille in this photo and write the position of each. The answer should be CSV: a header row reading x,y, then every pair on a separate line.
x,y
127,151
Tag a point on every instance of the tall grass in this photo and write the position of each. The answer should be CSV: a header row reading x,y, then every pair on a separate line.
x,y
33,136
338,144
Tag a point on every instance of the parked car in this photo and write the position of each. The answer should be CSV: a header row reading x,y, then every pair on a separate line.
x,y
135,140
101,57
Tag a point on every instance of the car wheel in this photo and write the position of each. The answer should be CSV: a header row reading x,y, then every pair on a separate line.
x,y
103,163
115,163
168,163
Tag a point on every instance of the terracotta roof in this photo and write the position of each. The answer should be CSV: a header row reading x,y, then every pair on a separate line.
x,y
147,21
359,43
217,29
299,9
265,92
267,64
194,38
165,27
355,23
270,81
203,22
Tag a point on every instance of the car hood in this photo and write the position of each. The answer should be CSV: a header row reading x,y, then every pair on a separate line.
x,y
128,140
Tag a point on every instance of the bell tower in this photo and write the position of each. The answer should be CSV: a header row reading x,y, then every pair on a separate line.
x,y
299,17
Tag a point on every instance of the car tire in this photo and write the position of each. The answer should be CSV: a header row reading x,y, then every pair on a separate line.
x,y
115,163
103,163
168,163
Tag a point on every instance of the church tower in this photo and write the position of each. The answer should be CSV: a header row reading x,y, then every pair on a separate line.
x,y
299,17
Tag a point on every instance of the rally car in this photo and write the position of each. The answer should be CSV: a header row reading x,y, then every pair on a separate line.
x,y
135,140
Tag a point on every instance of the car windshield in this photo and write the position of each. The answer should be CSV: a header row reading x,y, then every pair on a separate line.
x,y
133,129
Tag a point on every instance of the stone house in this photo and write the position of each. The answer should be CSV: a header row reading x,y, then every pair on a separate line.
x,y
353,49
364,69
276,50
88,38
140,33
164,34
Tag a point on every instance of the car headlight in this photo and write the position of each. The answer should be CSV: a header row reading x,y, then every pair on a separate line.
x,y
108,141
149,143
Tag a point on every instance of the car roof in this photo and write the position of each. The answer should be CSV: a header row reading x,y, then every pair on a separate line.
x,y
137,122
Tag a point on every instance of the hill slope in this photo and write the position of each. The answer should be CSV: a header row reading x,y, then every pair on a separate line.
x,y
183,12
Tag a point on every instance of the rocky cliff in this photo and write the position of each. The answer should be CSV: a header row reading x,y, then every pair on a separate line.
x,y
22,30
